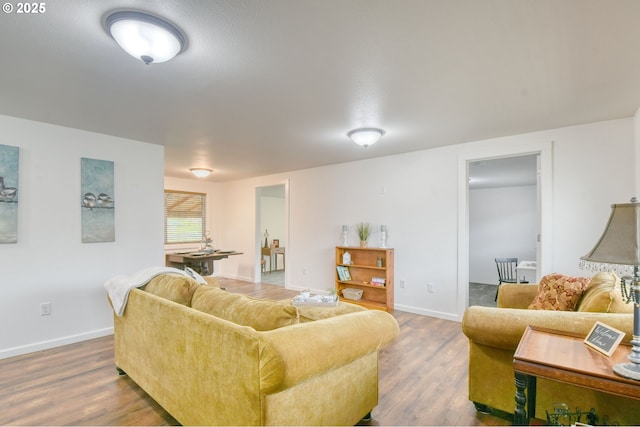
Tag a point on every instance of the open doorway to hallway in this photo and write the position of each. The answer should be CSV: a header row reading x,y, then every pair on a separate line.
x,y
272,227
503,221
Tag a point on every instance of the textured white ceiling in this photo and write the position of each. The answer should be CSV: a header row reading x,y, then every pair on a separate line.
x,y
272,86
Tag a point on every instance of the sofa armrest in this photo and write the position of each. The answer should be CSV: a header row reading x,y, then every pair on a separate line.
x,y
516,295
503,327
307,349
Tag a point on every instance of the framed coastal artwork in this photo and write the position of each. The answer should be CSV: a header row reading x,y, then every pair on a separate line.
x,y
97,201
9,167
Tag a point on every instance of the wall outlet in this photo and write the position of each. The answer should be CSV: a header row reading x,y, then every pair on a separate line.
x,y
45,309
430,288
402,284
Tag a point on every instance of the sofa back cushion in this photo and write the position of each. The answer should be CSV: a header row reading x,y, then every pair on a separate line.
x,y
603,295
261,315
559,292
174,287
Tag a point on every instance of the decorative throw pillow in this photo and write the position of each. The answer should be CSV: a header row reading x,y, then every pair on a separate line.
x,y
174,287
603,295
261,315
559,292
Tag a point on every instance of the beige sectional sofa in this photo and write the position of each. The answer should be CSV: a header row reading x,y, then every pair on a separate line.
x,y
210,357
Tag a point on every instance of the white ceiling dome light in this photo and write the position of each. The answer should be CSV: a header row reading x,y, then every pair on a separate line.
x,y
145,37
365,136
201,172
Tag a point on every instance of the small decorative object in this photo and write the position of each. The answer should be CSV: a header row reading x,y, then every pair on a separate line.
x,y
266,238
206,243
604,338
561,415
363,233
383,236
343,273
345,239
276,243
379,262
352,294
346,258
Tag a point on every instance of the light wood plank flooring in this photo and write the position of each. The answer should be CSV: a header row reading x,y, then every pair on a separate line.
x,y
423,379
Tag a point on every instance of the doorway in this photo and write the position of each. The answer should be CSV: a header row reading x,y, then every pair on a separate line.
x,y
272,228
503,221
544,238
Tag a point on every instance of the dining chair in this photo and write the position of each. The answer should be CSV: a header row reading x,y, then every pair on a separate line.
x,y
507,272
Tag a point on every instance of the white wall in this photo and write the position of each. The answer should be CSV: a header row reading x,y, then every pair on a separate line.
x,y
49,263
502,223
416,196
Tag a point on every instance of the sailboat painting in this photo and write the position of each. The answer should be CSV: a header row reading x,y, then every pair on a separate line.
x,y
9,167
96,201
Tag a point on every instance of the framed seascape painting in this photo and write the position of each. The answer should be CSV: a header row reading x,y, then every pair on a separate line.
x,y
97,201
9,166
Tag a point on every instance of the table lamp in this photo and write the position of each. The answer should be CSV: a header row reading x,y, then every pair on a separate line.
x,y
619,250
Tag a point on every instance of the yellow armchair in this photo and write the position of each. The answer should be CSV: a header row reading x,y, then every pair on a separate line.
x,y
494,334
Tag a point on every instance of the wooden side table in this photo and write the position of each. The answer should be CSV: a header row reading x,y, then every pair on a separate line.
x,y
543,353
273,252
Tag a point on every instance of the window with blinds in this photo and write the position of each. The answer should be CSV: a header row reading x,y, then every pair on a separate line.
x,y
185,216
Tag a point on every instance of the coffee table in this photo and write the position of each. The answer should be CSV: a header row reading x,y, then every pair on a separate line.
x,y
557,356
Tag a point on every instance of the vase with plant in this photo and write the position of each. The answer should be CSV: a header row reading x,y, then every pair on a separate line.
x,y
363,232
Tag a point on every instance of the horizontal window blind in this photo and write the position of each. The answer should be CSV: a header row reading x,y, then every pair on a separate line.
x,y
185,216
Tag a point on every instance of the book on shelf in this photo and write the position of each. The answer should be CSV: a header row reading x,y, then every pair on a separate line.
x,y
378,281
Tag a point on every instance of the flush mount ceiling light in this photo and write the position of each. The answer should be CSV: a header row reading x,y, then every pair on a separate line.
x,y
365,136
201,172
145,37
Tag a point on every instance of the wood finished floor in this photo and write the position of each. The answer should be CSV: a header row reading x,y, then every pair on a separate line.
x,y
423,379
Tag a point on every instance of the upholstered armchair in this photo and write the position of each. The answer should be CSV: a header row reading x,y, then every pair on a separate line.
x,y
494,334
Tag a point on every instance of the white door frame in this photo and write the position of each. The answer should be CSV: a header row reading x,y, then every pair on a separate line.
x,y
545,183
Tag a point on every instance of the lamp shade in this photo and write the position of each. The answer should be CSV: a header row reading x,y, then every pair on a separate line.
x,y
145,37
620,242
365,136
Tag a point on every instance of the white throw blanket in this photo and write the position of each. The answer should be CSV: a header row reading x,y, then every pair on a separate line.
x,y
119,287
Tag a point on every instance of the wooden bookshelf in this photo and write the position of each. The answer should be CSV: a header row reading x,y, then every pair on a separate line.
x,y
363,268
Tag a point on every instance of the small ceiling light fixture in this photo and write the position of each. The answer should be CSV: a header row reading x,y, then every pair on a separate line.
x,y
365,136
201,172
146,37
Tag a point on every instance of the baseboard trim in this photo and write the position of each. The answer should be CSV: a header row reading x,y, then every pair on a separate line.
x,y
57,342
431,313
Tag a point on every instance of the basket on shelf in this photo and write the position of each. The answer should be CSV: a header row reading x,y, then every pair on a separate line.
x,y
352,294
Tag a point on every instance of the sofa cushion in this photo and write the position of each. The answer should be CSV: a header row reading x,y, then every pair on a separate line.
x,y
261,315
174,287
312,313
603,295
559,292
